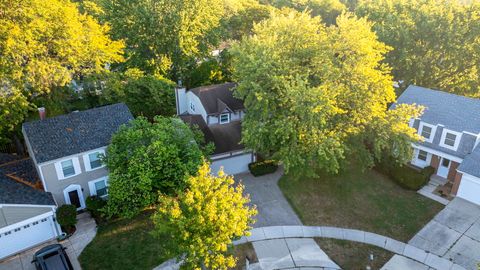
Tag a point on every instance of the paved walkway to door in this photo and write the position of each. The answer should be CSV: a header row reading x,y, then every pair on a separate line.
x,y
86,231
273,208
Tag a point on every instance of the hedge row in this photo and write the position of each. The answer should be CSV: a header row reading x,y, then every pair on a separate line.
x,y
405,176
263,167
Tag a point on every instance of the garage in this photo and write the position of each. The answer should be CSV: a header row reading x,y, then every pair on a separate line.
x,y
20,231
233,164
469,188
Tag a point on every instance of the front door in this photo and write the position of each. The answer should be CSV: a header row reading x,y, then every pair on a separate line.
x,y
443,168
74,199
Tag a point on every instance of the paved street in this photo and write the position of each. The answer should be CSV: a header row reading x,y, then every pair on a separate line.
x,y
273,208
86,231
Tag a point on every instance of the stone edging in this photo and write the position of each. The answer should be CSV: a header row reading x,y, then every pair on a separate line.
x,y
397,247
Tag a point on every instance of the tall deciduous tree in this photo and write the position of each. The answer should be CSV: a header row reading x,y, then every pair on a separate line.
x,y
328,10
43,45
206,218
145,158
312,93
436,43
162,36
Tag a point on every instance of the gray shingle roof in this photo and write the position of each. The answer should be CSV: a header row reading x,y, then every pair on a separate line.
x,y
12,192
75,132
471,164
455,112
216,98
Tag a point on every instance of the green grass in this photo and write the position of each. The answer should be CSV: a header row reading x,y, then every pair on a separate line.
x,y
353,255
126,244
360,200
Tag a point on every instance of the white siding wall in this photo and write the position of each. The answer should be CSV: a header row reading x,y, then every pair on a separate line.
x,y
193,99
469,188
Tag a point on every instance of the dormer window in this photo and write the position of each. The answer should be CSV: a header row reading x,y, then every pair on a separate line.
x,y
427,131
450,139
224,118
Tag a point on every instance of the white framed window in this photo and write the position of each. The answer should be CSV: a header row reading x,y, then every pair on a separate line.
x,y
92,160
224,118
427,131
192,106
450,139
422,155
99,187
67,168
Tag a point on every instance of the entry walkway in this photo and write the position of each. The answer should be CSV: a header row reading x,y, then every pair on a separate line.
x,y
406,250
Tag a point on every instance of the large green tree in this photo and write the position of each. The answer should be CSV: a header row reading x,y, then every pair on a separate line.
x,y
435,43
144,158
43,45
205,219
163,36
328,10
317,94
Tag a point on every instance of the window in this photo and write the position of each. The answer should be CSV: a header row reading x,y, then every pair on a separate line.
x,y
450,139
224,118
101,188
67,168
94,159
426,132
445,162
422,155
192,106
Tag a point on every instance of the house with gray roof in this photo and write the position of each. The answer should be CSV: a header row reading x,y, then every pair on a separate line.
x,y
27,212
450,127
218,114
66,151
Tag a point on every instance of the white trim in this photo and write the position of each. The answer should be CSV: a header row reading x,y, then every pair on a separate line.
x,y
220,118
91,185
26,205
42,178
437,153
458,137
86,160
70,156
28,221
78,188
432,134
59,169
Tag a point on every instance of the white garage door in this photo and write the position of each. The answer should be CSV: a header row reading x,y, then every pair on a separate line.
x,y
232,165
26,236
469,189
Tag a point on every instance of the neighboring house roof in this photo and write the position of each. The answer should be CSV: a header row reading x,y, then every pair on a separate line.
x,y
23,170
471,164
225,137
12,192
216,98
455,112
76,132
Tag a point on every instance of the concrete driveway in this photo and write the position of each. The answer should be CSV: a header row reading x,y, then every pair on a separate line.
x,y
454,234
86,231
273,208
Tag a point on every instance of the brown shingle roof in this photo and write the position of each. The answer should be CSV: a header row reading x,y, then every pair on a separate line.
x,y
216,98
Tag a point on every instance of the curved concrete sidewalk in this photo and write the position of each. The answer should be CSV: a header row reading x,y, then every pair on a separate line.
x,y
406,250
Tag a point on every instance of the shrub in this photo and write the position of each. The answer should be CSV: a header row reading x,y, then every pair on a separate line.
x,y
94,206
405,176
263,167
67,216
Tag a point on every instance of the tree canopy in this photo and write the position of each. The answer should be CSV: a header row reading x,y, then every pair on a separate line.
x,y
43,45
435,43
328,10
205,219
162,36
315,94
144,158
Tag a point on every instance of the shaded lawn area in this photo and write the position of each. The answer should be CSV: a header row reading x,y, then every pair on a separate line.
x,y
367,201
126,244
129,244
340,251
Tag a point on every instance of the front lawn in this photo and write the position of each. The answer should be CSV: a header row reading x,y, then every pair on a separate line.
x,y
126,244
354,199
129,244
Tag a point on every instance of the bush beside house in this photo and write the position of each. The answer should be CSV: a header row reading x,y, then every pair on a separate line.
x,y
94,206
406,176
67,217
263,167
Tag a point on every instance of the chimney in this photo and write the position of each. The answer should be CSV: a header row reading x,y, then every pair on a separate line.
x,y
42,113
180,98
